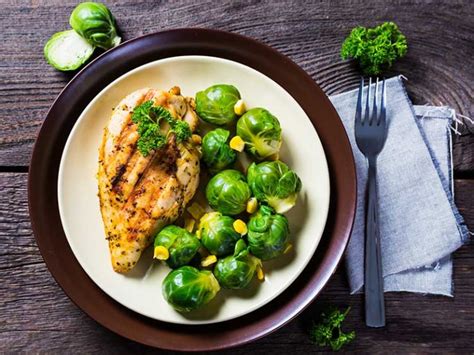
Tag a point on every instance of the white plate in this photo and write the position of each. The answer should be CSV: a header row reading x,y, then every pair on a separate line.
x,y
140,290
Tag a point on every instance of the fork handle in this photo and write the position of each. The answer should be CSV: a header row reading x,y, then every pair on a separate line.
x,y
374,297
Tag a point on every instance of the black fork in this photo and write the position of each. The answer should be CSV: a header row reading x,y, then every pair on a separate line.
x,y
371,133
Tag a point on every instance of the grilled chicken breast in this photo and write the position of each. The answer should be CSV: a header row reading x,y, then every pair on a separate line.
x,y
140,195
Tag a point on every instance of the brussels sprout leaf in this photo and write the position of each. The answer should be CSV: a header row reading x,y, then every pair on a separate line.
x,y
96,24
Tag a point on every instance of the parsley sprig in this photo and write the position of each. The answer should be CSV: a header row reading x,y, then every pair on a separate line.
x,y
328,331
149,119
376,49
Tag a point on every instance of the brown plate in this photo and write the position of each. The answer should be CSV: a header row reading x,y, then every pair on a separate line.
x,y
43,175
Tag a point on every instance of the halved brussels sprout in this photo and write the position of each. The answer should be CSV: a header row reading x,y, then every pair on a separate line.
x,y
261,133
67,50
187,288
217,233
237,271
94,22
275,183
228,192
181,245
216,104
268,233
216,153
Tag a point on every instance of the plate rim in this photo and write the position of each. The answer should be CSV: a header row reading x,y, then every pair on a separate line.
x,y
322,210
142,329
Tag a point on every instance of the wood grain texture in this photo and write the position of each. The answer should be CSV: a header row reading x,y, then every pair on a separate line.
x,y
36,315
438,65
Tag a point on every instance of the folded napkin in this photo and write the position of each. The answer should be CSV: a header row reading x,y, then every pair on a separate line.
x,y
419,224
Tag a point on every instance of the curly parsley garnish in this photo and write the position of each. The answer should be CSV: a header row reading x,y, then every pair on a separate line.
x,y
149,119
376,49
328,331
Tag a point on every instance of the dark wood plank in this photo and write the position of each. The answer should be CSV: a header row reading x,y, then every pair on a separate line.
x,y
36,315
438,63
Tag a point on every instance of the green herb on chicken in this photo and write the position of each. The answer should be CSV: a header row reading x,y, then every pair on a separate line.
x,y
150,119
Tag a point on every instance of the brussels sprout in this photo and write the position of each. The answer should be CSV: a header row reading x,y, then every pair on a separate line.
x,y
181,245
67,50
228,192
267,233
216,104
217,233
187,288
216,153
236,271
261,133
95,23
275,183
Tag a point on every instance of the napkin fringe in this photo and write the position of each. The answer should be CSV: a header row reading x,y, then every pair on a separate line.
x,y
456,122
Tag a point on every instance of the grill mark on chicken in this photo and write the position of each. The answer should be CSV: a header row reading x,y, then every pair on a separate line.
x,y
138,165
150,159
171,155
144,196
123,177
127,137
121,169
116,178
140,195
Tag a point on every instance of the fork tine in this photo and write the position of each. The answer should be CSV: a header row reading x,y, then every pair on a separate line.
x,y
358,115
373,117
367,106
381,120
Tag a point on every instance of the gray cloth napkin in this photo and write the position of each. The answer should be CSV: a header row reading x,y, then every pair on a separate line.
x,y
419,224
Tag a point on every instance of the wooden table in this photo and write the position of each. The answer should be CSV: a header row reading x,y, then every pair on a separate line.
x,y
35,314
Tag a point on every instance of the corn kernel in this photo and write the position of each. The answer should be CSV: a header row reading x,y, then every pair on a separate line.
x,y
189,224
240,227
161,253
288,248
196,138
239,108
196,210
260,273
198,234
252,205
237,143
208,260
